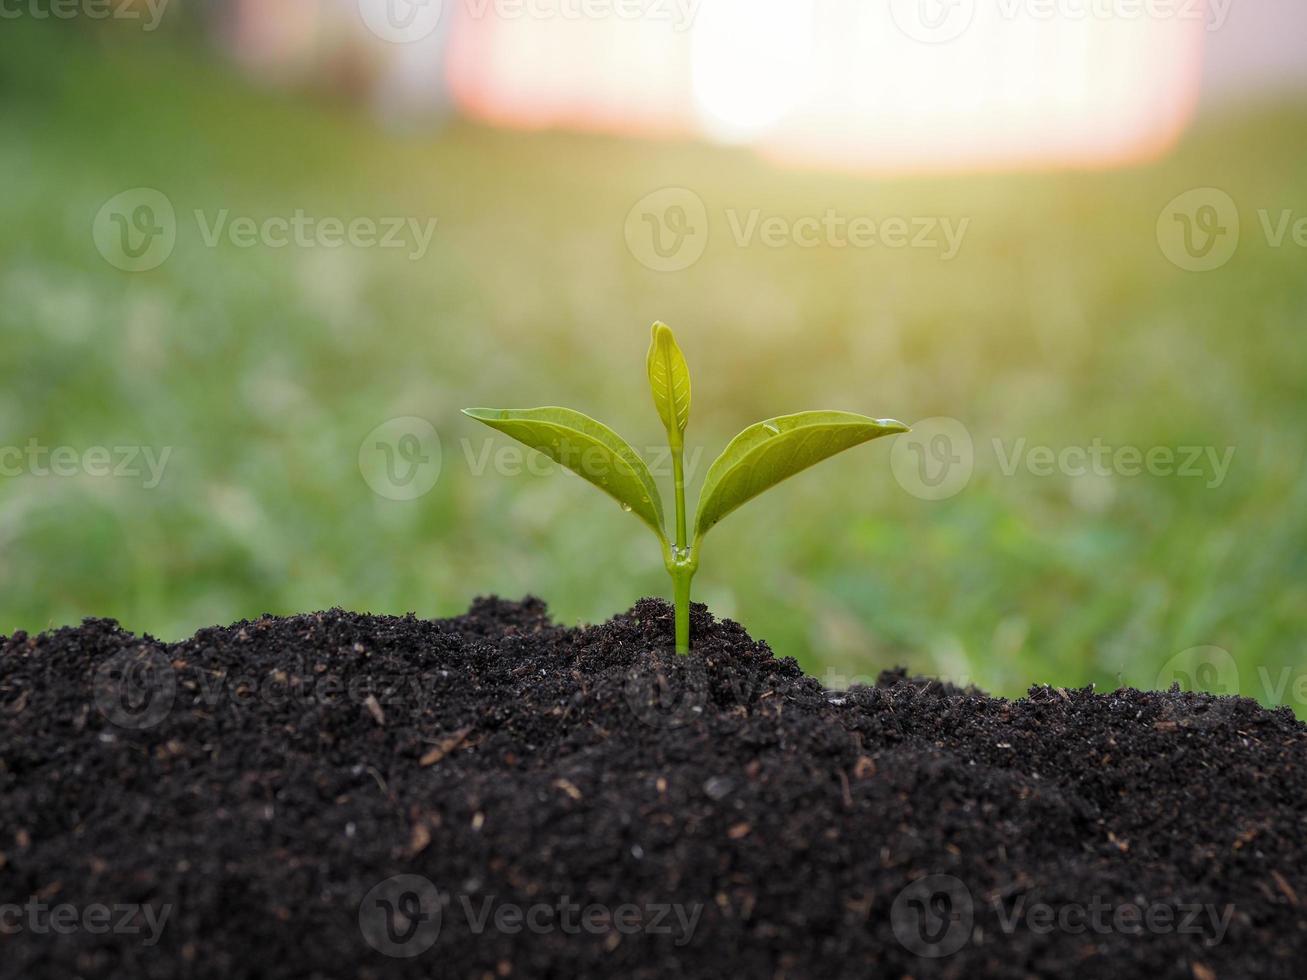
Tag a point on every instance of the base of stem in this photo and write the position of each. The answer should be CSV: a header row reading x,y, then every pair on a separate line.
x,y
681,588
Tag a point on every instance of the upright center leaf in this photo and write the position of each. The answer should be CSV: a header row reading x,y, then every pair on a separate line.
x,y
669,380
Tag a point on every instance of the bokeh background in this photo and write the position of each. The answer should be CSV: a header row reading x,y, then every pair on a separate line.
x,y
589,174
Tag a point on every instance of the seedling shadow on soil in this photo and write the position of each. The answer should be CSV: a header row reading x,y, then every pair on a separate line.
x,y
339,794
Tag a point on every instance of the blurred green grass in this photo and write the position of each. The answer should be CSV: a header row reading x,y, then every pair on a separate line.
x,y
1059,322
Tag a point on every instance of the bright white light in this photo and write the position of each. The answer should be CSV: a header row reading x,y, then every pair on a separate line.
x,y
1005,85
864,85
750,61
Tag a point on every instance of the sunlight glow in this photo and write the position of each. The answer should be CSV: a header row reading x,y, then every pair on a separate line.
x,y
750,61
888,86
599,73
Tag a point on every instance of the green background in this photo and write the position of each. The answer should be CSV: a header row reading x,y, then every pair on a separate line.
x,y
1059,322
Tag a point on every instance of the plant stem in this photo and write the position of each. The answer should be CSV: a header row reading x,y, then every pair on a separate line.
x,y
683,564
681,576
678,476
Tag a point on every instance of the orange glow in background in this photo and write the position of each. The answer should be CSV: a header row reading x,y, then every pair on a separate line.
x,y
847,84
603,74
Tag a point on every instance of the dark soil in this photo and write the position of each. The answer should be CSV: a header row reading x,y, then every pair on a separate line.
x,y
721,815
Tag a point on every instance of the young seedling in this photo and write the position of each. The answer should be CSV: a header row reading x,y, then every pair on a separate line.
x,y
757,459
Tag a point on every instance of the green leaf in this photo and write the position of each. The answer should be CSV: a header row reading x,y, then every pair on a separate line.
x,y
669,379
586,447
766,453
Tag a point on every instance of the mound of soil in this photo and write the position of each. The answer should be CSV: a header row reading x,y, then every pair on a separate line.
x,y
339,795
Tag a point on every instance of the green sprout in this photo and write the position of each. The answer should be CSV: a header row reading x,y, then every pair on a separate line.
x,y
757,459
